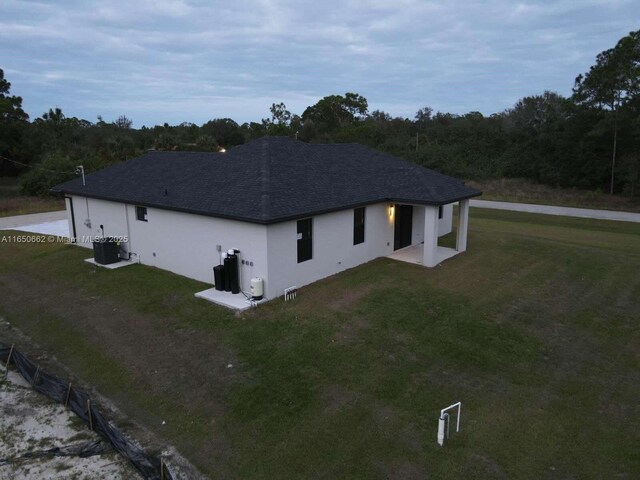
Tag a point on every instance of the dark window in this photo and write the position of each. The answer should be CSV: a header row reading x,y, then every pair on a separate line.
x,y
141,213
305,240
440,211
358,226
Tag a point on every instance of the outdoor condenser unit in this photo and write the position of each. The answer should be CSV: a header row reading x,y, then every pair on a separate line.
x,y
106,250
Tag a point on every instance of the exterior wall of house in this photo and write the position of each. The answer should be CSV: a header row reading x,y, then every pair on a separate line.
x,y
185,243
333,248
182,243
446,222
91,213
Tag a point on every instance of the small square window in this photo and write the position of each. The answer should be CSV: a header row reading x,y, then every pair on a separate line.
x,y
141,214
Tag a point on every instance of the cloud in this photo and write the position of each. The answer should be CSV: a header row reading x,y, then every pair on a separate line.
x,y
174,61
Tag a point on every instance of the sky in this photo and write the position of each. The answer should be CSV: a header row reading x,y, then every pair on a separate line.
x,y
190,61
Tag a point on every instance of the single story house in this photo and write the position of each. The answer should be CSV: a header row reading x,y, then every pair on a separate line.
x,y
297,212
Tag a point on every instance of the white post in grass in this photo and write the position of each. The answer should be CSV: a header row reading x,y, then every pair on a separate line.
x,y
445,417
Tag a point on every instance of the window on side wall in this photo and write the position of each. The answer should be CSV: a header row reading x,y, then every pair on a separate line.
x,y
141,214
358,225
440,211
305,240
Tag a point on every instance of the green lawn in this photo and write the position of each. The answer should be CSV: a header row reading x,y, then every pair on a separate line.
x,y
534,329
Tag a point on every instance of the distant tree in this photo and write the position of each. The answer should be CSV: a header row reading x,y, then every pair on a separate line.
x,y
206,143
225,131
123,122
423,116
53,116
611,83
334,112
537,111
10,105
56,168
279,114
379,116
13,127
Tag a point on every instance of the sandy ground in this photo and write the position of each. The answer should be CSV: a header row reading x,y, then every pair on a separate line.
x,y
30,423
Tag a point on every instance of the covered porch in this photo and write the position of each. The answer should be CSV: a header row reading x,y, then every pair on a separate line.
x,y
429,253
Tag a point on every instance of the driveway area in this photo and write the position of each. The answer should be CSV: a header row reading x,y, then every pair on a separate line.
x,y
48,223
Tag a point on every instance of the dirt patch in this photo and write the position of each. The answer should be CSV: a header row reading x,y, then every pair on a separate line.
x,y
337,398
404,471
488,468
349,297
349,331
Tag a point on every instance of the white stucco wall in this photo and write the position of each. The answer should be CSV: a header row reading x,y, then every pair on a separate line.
x,y
99,212
185,244
446,222
182,243
333,248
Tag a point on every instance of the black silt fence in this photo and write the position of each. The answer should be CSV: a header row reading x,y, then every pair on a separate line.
x,y
151,468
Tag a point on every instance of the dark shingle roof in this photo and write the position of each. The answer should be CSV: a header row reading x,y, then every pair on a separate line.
x,y
269,180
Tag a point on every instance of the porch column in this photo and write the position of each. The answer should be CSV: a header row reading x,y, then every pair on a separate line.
x,y
463,224
430,250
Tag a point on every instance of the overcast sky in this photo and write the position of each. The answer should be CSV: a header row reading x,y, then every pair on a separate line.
x,y
173,61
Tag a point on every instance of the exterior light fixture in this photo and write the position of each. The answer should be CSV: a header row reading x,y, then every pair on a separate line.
x,y
222,150
392,211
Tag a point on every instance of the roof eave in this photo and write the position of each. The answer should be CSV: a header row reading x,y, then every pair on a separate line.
x,y
273,220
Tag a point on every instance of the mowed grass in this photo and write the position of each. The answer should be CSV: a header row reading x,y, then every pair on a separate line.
x,y
534,329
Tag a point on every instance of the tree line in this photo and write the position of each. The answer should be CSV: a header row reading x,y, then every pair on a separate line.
x,y
590,140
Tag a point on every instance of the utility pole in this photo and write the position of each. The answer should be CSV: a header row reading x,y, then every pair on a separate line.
x,y
615,144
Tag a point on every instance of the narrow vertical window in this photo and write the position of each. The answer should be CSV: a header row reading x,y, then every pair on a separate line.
x,y
358,225
141,214
305,240
440,211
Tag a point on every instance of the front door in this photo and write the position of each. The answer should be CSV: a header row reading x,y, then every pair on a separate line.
x,y
403,226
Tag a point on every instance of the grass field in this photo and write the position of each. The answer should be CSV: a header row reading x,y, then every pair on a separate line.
x,y
13,203
534,329
525,191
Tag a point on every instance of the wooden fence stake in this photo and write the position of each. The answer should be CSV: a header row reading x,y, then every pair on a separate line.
x,y
6,372
89,410
66,401
161,469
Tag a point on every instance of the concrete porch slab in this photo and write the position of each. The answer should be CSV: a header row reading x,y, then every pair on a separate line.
x,y
413,254
236,302
111,266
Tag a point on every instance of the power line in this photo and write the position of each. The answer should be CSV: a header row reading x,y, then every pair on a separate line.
x,y
37,166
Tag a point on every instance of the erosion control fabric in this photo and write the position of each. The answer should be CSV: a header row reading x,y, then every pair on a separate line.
x,y
79,402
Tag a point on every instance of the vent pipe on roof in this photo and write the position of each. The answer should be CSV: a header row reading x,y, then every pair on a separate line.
x,y
80,170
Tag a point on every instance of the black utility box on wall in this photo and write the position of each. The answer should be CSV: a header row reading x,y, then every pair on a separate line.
x,y
106,250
